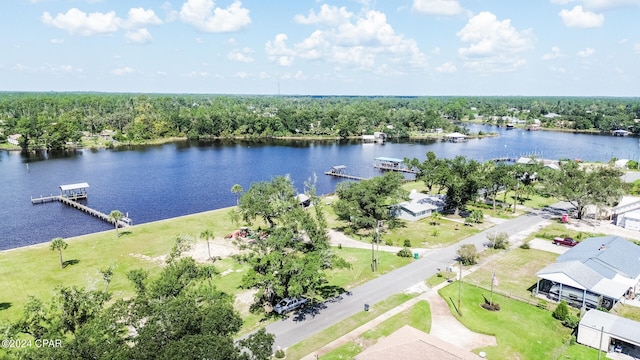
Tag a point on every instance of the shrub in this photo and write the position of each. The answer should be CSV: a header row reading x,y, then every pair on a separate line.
x,y
525,246
388,242
562,311
405,252
435,232
407,243
468,254
279,354
499,240
571,321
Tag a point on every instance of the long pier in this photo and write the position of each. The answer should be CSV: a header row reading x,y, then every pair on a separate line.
x,y
69,196
345,176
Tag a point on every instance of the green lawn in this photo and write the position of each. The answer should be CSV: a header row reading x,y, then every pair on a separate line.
x,y
522,331
515,270
35,271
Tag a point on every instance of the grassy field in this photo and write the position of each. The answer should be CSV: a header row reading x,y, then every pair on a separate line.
x,y
35,270
544,337
515,271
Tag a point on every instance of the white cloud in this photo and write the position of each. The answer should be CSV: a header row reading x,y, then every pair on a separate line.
x,y
364,41
494,46
139,17
559,70
299,75
57,41
636,48
586,52
243,75
80,23
77,22
436,50
438,7
123,70
59,69
577,17
278,51
555,53
241,55
601,5
447,67
140,36
328,15
206,17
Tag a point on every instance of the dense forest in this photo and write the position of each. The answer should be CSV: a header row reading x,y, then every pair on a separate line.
x,y
58,120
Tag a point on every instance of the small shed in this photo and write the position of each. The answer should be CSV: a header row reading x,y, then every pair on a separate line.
x,y
608,332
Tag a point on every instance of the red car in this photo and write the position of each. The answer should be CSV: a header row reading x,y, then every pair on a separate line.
x,y
564,241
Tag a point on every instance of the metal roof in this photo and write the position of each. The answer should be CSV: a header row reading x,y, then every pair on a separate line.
x,y
608,255
389,159
619,327
74,186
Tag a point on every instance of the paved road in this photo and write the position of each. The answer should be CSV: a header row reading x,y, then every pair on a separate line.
x,y
300,326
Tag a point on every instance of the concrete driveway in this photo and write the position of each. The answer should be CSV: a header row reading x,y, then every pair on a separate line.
x,y
546,245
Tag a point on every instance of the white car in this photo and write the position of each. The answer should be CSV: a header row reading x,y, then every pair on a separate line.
x,y
288,304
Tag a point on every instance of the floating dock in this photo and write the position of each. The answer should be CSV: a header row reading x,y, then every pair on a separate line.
x,y
69,194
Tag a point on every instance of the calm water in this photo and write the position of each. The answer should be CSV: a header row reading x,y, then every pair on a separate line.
x,y
159,182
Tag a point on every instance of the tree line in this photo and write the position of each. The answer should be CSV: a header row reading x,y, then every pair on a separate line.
x,y
56,120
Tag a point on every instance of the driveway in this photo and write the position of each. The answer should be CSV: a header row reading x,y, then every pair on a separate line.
x,y
546,245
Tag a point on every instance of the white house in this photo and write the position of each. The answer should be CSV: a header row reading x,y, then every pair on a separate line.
x,y
611,333
420,206
14,139
598,272
627,213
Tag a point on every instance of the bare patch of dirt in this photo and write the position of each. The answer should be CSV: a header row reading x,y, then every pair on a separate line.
x,y
244,300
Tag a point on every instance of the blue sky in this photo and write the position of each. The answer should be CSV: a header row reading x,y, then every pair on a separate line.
x,y
307,47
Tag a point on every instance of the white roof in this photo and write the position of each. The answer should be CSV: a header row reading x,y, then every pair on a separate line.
x,y
621,328
456,135
74,186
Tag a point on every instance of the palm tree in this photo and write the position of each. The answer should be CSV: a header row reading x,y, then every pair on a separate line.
x,y
58,244
207,234
115,216
237,189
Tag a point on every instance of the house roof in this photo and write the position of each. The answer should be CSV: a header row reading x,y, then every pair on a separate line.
x,y
389,159
409,343
607,255
621,328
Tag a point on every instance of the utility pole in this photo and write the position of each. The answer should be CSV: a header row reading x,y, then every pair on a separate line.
x,y
460,289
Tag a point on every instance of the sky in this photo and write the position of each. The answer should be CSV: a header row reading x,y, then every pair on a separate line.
x,y
312,47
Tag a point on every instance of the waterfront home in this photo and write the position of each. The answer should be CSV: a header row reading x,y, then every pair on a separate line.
x,y
598,272
14,139
419,206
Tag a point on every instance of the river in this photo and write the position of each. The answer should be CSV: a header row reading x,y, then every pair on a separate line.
x,y
157,182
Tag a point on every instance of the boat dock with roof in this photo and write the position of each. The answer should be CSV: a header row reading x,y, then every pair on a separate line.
x,y
392,164
70,194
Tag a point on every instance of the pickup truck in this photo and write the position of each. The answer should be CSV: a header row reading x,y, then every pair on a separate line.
x,y
288,304
564,241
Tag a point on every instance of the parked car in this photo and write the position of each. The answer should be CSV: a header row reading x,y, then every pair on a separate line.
x,y
565,241
288,304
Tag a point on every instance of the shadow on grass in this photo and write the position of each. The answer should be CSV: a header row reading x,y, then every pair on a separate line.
x,y
70,262
454,306
5,305
124,233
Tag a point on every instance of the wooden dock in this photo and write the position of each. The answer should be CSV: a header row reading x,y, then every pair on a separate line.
x,y
124,222
70,194
393,168
344,176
